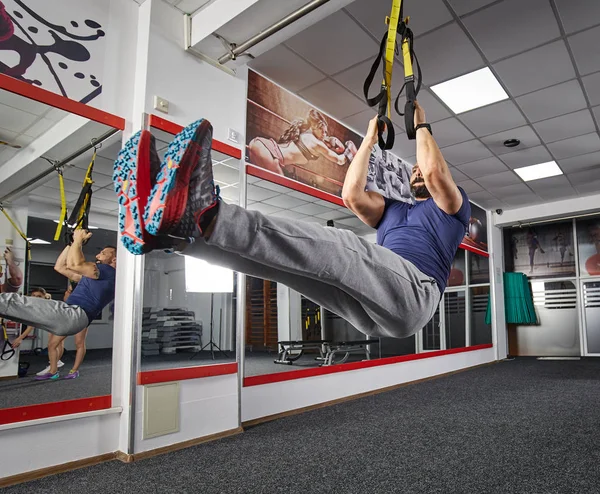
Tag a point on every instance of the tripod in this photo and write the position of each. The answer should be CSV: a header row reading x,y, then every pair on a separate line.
x,y
211,342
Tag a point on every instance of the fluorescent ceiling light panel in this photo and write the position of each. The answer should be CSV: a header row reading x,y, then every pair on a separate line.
x,y
38,241
202,277
470,91
535,172
90,227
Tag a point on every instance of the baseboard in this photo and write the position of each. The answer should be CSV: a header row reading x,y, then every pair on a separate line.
x,y
289,413
178,446
65,467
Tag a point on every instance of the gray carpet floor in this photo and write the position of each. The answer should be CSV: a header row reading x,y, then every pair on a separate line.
x,y
522,426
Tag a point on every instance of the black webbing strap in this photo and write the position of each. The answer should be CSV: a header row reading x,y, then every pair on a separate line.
x,y
7,350
79,217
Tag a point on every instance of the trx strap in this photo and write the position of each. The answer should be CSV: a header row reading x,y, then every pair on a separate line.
x,y
63,206
22,235
7,350
397,26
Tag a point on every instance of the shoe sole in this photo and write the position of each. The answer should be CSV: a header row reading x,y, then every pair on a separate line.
x,y
172,183
131,177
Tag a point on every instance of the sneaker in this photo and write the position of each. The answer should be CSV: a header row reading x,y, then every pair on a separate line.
x,y
47,369
72,375
184,199
48,377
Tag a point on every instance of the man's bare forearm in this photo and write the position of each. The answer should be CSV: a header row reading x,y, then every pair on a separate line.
x,y
61,261
429,156
356,176
75,255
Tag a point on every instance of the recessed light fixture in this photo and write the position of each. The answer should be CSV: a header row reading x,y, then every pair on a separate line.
x,y
37,241
535,172
470,91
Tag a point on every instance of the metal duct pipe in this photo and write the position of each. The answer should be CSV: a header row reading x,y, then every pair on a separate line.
x,y
278,26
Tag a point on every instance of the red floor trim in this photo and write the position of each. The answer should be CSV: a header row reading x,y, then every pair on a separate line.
x,y
184,373
54,409
321,371
292,184
58,101
173,128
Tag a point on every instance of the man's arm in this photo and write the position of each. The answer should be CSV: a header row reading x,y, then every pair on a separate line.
x,y
75,258
438,180
15,274
367,205
61,266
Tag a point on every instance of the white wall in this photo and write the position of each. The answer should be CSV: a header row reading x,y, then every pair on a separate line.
x,y
34,447
207,406
270,399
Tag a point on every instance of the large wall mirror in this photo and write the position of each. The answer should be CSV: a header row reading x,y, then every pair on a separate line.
x,y
189,305
39,138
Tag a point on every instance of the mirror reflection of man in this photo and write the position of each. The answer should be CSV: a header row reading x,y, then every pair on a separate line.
x,y
14,275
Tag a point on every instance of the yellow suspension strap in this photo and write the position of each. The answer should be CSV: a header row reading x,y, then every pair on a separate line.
x,y
80,213
397,27
63,206
21,234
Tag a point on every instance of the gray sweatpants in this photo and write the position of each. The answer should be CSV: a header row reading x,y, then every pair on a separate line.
x,y
377,291
54,316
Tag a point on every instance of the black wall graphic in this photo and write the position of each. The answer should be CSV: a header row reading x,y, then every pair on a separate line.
x,y
58,51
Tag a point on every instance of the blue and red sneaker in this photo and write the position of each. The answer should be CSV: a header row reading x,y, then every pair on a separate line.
x,y
184,199
134,174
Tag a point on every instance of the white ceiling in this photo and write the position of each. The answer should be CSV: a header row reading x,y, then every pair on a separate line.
x,y
544,52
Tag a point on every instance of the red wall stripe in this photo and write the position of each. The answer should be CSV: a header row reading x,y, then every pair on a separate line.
x,y
173,128
58,101
184,373
321,371
54,409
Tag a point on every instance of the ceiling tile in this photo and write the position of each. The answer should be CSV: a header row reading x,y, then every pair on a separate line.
x,y
592,87
546,184
301,195
553,101
485,199
447,53
578,14
334,214
588,188
526,157
231,194
552,65
498,180
554,194
284,67
353,79
450,131
493,118
457,175
578,163
254,193
573,124
596,111
586,50
469,186
15,120
342,105
403,146
480,168
39,127
263,208
311,209
526,199
433,108
519,189
265,184
332,54
525,134
465,152
22,103
360,121
462,7
582,177
512,26
424,16
284,201
575,146
226,174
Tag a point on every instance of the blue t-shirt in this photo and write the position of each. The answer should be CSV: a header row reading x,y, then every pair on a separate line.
x,y
424,234
93,295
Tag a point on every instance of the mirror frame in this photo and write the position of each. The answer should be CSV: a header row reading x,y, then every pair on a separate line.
x,y
79,405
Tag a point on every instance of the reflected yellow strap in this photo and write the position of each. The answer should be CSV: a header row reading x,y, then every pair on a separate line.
x,y
23,236
63,207
390,50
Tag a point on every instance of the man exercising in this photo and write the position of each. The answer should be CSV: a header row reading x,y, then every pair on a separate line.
x,y
14,279
391,289
94,291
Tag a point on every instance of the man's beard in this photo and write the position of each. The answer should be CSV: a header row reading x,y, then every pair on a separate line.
x,y
419,190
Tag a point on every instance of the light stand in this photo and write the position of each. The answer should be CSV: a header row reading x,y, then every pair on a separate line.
x,y
211,343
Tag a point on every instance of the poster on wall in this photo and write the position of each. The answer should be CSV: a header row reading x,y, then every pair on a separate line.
x,y
588,243
476,237
540,251
288,137
58,46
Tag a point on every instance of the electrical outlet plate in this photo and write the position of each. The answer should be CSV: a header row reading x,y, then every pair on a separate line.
x,y
233,136
161,104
